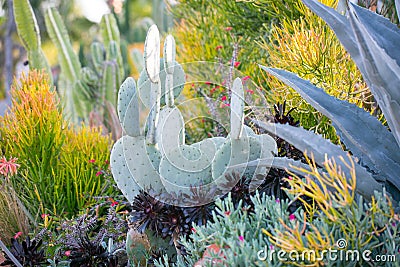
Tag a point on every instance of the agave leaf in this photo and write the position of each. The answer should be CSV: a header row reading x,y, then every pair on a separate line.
x,y
69,61
382,72
397,3
362,133
283,163
318,147
385,33
369,51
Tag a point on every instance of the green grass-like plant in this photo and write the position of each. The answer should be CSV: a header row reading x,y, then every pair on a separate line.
x,y
62,168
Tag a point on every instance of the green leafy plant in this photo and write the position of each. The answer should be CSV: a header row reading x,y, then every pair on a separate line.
x,y
375,147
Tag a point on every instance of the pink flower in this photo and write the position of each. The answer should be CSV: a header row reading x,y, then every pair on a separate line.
x,y
236,64
292,217
223,98
277,200
193,230
67,253
107,162
114,203
271,247
218,47
17,235
99,173
250,91
8,168
290,178
245,78
92,160
228,29
44,215
241,238
227,105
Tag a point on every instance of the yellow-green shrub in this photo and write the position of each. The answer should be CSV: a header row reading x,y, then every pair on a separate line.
x,y
309,48
56,173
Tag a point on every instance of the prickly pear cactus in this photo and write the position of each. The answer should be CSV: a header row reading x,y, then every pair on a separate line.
x,y
135,158
170,129
158,158
241,146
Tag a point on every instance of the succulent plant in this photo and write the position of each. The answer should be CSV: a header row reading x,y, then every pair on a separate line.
x,y
135,158
28,253
372,41
89,241
29,33
77,85
242,145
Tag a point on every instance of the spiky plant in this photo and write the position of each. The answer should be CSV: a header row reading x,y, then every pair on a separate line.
x,y
28,253
372,42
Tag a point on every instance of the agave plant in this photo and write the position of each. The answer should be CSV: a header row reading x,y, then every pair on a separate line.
x,y
372,41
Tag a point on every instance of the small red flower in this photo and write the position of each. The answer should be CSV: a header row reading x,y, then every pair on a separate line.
x,y
8,168
114,203
228,29
17,235
212,91
245,78
250,91
92,160
218,47
193,230
223,98
292,217
227,213
107,162
236,64
99,173
227,105
208,82
44,215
